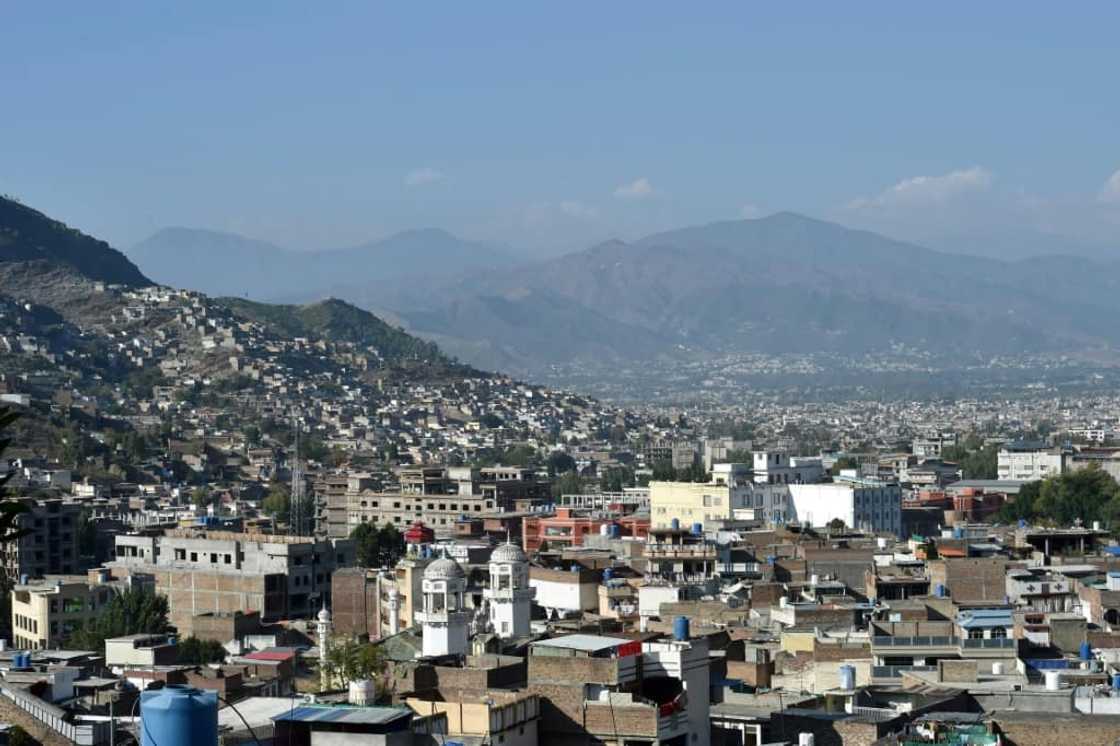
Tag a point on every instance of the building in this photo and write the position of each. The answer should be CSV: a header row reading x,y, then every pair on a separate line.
x,y
780,468
282,577
510,596
50,544
46,611
1028,461
445,620
570,527
140,651
868,505
695,502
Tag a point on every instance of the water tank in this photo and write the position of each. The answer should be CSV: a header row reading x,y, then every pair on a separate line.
x,y
698,529
605,530
1116,681
806,739
178,716
3,644
608,573
847,677
675,524
1086,651
362,692
1053,681
939,590
958,533
23,579
881,542
997,669
1022,523
947,533
814,579
616,530
1096,525
680,628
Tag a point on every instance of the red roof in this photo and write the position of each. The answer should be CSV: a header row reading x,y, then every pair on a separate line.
x,y
270,655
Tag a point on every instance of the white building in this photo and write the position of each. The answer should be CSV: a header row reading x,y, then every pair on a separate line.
x,y
780,468
867,505
445,621
1028,461
509,594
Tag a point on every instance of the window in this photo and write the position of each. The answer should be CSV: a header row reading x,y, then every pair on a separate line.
x,y
194,556
976,634
999,633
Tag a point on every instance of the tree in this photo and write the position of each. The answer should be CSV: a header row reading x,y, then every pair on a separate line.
x,y
195,652
567,484
1086,494
201,496
10,512
17,736
377,547
977,461
133,611
87,534
837,524
278,502
560,463
351,660
844,462
252,435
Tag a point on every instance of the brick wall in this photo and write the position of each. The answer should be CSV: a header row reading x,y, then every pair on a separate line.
x,y
1054,729
353,602
971,579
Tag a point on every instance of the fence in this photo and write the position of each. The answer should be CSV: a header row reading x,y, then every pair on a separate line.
x,y
88,734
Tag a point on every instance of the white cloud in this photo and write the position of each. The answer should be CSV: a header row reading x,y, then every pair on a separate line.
x,y
422,176
919,191
751,212
636,189
575,209
1110,192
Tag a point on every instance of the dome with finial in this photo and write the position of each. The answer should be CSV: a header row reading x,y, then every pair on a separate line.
x,y
508,554
443,568
324,616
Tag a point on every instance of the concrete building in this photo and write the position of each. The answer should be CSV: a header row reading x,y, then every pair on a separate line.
x,y
445,619
1028,461
565,594
694,502
780,468
282,577
510,596
862,504
49,545
46,611
570,527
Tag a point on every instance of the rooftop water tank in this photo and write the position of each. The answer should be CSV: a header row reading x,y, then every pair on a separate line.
x,y
178,716
939,590
680,629
362,692
847,677
675,524
608,573
1086,651
698,529
1053,681
806,739
1116,681
958,533
616,530
605,530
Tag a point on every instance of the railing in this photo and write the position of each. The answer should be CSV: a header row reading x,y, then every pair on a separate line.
x,y
90,734
996,643
925,641
895,672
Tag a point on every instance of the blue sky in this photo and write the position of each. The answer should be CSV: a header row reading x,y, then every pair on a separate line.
x,y
551,127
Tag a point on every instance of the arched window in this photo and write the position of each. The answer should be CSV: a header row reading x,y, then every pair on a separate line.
x,y
999,633
976,634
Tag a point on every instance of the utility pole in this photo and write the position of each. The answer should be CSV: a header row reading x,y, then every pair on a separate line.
x,y
296,519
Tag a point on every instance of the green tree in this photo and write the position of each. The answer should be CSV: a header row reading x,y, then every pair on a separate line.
x,y
195,652
977,461
87,534
202,496
17,736
1086,494
252,435
377,547
560,463
352,660
10,512
278,502
130,612
844,462
567,484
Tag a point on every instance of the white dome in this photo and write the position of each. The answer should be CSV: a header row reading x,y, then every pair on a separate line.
x,y
324,615
443,568
508,553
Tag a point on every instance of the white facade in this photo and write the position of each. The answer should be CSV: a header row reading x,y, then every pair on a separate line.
x,y
867,506
1028,464
687,661
780,468
509,594
445,621
564,596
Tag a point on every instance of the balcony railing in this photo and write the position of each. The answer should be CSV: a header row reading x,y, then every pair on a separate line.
x,y
994,643
924,641
895,672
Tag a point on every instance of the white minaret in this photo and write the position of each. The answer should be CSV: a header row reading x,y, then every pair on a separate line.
x,y
394,610
444,620
323,628
509,593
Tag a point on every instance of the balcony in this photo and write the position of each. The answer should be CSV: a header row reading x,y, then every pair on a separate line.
x,y
997,643
922,642
895,672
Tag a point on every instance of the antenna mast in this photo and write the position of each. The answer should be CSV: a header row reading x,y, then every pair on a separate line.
x,y
297,520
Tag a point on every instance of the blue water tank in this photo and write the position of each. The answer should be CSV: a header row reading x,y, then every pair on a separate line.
x,y
615,531
1086,651
178,716
698,529
1116,681
675,524
1022,523
847,677
680,628
770,559
608,573
939,590
24,578
958,533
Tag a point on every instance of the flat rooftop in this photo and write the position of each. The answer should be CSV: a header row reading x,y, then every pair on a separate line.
x,y
584,643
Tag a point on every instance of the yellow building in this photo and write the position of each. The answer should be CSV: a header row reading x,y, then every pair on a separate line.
x,y
494,716
689,502
45,611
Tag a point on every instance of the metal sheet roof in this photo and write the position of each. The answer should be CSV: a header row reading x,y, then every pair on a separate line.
x,y
342,714
586,643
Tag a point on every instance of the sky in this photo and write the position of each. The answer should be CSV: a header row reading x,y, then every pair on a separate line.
x,y
980,127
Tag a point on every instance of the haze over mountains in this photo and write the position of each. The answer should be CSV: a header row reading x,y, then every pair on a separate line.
x,y
783,283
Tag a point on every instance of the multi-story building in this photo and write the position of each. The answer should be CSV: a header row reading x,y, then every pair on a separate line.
x,y
49,545
46,611
282,577
1028,461
864,504
569,527
780,468
695,502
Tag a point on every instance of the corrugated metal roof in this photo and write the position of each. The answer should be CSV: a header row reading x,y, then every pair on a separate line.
x,y
344,714
586,643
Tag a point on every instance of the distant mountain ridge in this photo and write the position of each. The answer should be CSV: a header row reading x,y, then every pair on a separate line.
x,y
27,235
398,268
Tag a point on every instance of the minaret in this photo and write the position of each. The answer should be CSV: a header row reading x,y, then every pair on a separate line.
x,y
444,620
323,629
509,593
394,610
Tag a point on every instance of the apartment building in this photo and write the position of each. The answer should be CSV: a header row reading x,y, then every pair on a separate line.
x,y
1028,461
46,611
779,468
282,577
868,505
50,546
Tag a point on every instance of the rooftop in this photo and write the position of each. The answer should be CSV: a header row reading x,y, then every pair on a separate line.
x,y
585,643
343,714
